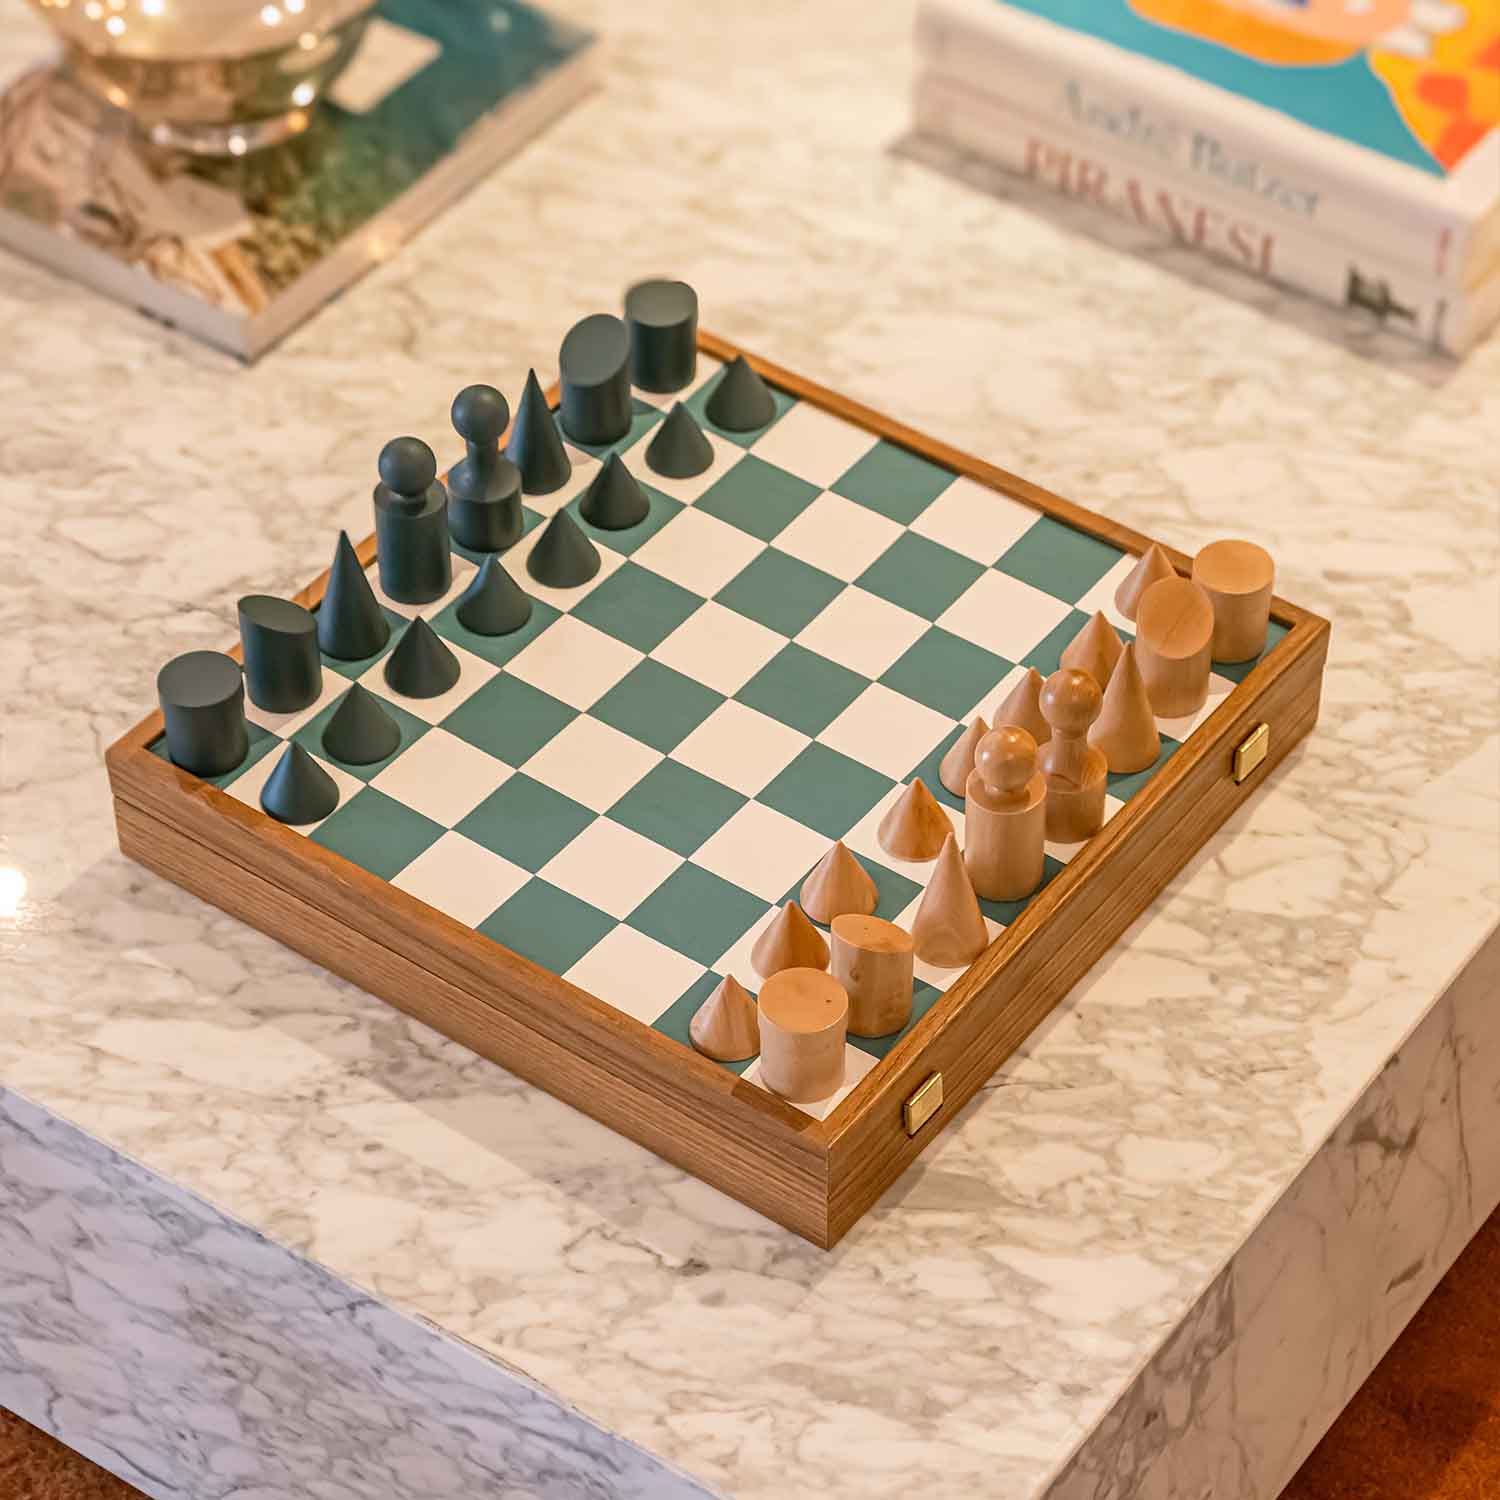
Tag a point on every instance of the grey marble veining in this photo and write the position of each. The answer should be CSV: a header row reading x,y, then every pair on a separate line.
x,y
985,1320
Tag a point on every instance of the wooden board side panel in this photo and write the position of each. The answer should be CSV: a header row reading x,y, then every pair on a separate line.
x,y
1000,1010
789,1187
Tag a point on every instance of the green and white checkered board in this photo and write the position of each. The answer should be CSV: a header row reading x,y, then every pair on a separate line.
x,y
626,789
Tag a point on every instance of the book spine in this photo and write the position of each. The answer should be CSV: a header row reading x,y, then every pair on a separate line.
x,y
1159,115
1397,296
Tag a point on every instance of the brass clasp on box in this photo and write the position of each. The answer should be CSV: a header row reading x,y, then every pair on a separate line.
x,y
1251,752
924,1104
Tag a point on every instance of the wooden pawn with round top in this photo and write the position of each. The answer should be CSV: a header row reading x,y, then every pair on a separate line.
x,y
804,1018
1174,635
1005,816
1077,773
872,959
1238,578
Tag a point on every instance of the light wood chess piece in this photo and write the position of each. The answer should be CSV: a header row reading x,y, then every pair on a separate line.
x,y
838,883
915,824
1173,646
1077,774
790,941
959,761
1238,578
804,1018
1020,707
1005,817
872,959
726,1027
1152,568
1095,650
948,929
1126,728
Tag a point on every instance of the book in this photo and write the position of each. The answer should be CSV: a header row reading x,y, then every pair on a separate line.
x,y
241,250
1371,124
1444,316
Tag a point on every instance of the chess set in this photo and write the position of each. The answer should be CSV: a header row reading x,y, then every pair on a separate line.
x,y
733,762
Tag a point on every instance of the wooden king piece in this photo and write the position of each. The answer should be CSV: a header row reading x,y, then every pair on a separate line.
x,y
1005,822
1077,773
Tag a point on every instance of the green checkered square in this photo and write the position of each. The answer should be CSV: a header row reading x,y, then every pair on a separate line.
x,y
920,575
637,606
643,417
894,482
656,705
310,737
547,925
676,1020
825,790
695,912
262,742
780,592
946,672
800,688
377,833
758,497
526,822
1046,655
697,403
661,509
1059,560
677,807
509,719
498,649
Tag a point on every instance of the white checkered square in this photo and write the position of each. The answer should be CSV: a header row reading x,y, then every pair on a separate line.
x,y
610,867
591,763
442,777
976,521
762,851
856,1064
461,878
247,788
514,563
814,445
473,673
573,662
719,648
863,632
634,973
886,730
838,536
699,551
864,838
463,576
741,747
1003,615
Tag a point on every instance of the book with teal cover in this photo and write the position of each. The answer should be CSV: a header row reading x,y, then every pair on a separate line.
x,y
1417,81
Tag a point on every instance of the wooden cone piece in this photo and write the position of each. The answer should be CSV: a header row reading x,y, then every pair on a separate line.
x,y
726,1027
1095,650
1021,708
959,761
1152,568
839,884
789,942
916,824
949,928
1126,728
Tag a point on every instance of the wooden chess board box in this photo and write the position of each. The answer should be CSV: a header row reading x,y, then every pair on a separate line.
x,y
569,850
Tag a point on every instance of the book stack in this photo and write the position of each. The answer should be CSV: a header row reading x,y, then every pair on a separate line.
x,y
1347,148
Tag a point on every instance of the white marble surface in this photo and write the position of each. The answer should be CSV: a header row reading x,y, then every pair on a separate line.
x,y
985,1318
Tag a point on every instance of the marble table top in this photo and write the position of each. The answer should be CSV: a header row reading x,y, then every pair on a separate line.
x,y
981,1319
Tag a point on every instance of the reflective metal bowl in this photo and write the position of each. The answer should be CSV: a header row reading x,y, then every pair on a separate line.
x,y
217,77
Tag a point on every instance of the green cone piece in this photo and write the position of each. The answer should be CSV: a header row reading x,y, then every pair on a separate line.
x,y
494,604
299,790
536,446
615,499
563,558
351,623
361,731
680,450
421,666
741,401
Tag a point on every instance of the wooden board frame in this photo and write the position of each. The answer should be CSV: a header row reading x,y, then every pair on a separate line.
x,y
815,1177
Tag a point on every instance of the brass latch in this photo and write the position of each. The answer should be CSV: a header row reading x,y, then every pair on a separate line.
x,y
924,1104
1251,752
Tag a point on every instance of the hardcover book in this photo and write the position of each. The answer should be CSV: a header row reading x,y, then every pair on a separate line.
x,y
239,251
1372,122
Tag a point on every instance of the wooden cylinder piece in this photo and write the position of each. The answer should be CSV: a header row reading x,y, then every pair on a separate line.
x,y
1173,646
872,959
1238,578
804,1016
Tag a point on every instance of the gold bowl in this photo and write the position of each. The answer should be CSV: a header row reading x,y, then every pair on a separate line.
x,y
215,77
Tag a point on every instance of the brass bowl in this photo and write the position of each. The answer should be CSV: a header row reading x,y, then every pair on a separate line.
x,y
214,77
